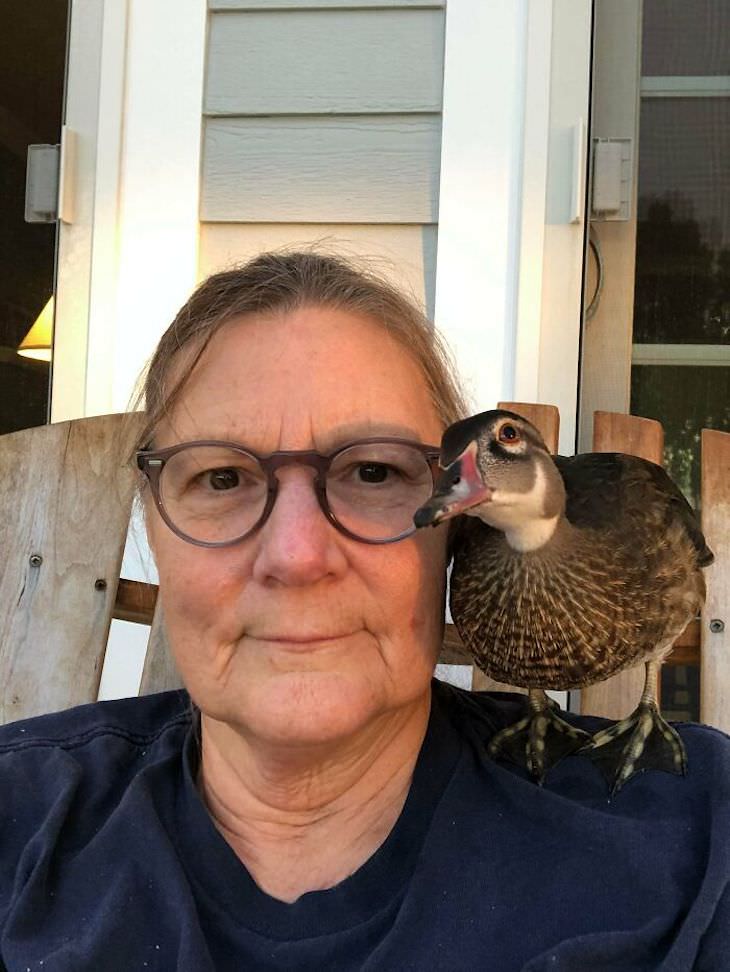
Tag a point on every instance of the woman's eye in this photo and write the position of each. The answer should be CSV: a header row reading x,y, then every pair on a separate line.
x,y
223,478
372,472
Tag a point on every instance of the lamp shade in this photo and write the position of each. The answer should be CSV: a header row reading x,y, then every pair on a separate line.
x,y
38,342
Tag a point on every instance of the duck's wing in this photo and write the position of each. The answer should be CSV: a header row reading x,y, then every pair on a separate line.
x,y
606,488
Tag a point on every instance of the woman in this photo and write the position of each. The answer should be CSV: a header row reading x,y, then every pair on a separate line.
x,y
322,804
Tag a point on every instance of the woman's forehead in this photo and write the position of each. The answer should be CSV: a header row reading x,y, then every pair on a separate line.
x,y
312,377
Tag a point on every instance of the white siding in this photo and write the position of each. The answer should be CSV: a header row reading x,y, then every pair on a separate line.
x,y
323,120
347,169
273,62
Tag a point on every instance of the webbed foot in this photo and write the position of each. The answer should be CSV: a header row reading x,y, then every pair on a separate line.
x,y
540,740
644,740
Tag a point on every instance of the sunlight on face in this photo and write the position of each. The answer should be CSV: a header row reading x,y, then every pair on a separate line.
x,y
298,633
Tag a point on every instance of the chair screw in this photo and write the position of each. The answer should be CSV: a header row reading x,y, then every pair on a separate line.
x,y
100,584
35,560
717,625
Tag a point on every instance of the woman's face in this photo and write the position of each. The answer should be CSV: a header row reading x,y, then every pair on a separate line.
x,y
299,633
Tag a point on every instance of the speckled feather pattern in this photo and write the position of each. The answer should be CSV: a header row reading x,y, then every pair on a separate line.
x,y
595,599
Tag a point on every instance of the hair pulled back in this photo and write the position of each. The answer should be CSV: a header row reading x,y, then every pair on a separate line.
x,y
278,283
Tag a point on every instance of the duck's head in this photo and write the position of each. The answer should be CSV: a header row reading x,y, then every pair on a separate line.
x,y
497,467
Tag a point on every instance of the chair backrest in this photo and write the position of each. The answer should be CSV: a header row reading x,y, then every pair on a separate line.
x,y
66,496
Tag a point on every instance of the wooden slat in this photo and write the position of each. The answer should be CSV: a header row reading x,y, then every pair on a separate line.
x,y
342,169
545,418
269,63
616,432
66,497
715,669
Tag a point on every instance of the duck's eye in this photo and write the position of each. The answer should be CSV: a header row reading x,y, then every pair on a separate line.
x,y
508,433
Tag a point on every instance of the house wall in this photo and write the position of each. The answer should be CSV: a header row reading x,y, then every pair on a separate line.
x,y
322,123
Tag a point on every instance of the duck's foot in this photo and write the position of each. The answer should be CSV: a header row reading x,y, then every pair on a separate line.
x,y
644,740
540,740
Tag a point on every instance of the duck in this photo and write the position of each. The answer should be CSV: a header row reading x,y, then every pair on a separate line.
x,y
565,571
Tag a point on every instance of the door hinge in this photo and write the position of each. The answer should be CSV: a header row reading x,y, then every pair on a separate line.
x,y
49,180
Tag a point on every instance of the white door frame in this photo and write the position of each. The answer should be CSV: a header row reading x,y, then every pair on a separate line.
x,y
512,203
129,258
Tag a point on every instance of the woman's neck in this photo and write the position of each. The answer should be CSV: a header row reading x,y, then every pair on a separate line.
x,y
305,820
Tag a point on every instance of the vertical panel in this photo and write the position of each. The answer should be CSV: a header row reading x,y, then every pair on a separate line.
x,y
479,190
565,240
158,227
607,335
715,667
75,239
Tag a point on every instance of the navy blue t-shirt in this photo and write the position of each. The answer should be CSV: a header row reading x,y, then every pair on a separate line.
x,y
109,861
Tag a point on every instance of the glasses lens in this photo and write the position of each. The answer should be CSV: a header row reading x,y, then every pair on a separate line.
x,y
373,490
213,494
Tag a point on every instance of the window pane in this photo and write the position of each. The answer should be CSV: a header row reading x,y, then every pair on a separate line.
x,y
683,236
685,37
685,400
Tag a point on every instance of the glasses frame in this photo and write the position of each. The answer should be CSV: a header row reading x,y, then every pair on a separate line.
x,y
151,463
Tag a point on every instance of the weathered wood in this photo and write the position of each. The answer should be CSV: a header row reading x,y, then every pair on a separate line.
x,y
159,673
616,432
266,62
66,495
715,668
545,418
348,168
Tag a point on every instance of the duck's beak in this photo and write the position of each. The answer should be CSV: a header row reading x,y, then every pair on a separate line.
x,y
459,488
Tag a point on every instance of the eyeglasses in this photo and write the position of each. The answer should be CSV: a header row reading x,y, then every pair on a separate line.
x,y
215,494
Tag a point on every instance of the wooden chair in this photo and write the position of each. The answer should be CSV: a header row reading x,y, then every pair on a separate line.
x,y
67,491
66,495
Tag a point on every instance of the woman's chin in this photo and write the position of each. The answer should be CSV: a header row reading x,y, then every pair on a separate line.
x,y
312,707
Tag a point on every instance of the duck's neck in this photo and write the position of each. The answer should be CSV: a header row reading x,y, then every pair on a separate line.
x,y
532,535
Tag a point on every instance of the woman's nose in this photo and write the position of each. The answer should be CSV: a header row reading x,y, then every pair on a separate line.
x,y
297,545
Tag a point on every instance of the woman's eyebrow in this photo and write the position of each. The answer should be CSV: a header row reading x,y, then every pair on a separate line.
x,y
350,431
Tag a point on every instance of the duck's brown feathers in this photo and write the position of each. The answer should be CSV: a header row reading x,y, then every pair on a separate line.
x,y
615,586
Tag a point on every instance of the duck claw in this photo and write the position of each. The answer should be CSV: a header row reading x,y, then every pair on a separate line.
x,y
651,744
538,741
